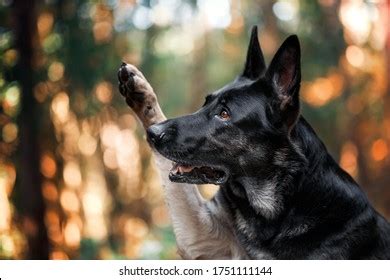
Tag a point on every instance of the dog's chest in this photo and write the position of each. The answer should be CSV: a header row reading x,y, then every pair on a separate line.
x,y
250,237
248,230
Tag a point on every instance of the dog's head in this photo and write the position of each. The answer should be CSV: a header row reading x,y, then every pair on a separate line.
x,y
238,129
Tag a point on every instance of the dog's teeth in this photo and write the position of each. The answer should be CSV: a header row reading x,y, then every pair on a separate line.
x,y
175,167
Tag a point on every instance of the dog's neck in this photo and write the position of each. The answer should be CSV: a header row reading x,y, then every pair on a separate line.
x,y
309,144
267,195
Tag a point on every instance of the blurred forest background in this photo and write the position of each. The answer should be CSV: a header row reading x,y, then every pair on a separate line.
x,y
76,179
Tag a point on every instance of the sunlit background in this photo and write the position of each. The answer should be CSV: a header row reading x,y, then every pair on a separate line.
x,y
76,179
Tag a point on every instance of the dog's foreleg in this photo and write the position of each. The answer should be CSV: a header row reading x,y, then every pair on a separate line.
x,y
196,224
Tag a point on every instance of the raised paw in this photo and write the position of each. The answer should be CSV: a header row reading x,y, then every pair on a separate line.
x,y
133,86
139,94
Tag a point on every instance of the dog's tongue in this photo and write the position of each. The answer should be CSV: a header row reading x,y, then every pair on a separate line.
x,y
185,168
181,168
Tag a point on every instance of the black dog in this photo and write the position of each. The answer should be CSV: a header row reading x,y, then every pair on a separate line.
x,y
282,195
285,196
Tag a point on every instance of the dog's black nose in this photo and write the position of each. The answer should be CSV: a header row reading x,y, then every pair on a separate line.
x,y
155,133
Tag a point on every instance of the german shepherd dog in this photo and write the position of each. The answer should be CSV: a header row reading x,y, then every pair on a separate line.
x,y
281,196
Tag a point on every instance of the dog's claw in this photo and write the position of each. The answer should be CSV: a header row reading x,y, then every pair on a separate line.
x,y
123,74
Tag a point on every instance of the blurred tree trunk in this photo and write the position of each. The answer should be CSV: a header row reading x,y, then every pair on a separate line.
x,y
199,71
30,202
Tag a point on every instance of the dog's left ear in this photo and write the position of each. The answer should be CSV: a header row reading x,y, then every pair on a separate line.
x,y
284,74
254,65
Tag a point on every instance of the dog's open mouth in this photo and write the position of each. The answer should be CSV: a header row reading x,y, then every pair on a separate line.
x,y
184,173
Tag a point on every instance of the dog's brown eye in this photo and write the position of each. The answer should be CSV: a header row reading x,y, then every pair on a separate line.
x,y
224,115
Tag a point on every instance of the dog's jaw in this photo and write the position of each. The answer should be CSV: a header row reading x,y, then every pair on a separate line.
x,y
184,173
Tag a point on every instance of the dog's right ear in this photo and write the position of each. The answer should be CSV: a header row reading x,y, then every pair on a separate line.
x,y
284,75
254,65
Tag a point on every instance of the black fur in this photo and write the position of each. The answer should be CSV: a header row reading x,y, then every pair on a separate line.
x,y
287,197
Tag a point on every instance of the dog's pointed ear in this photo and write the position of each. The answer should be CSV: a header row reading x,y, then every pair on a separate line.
x,y
284,74
254,65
